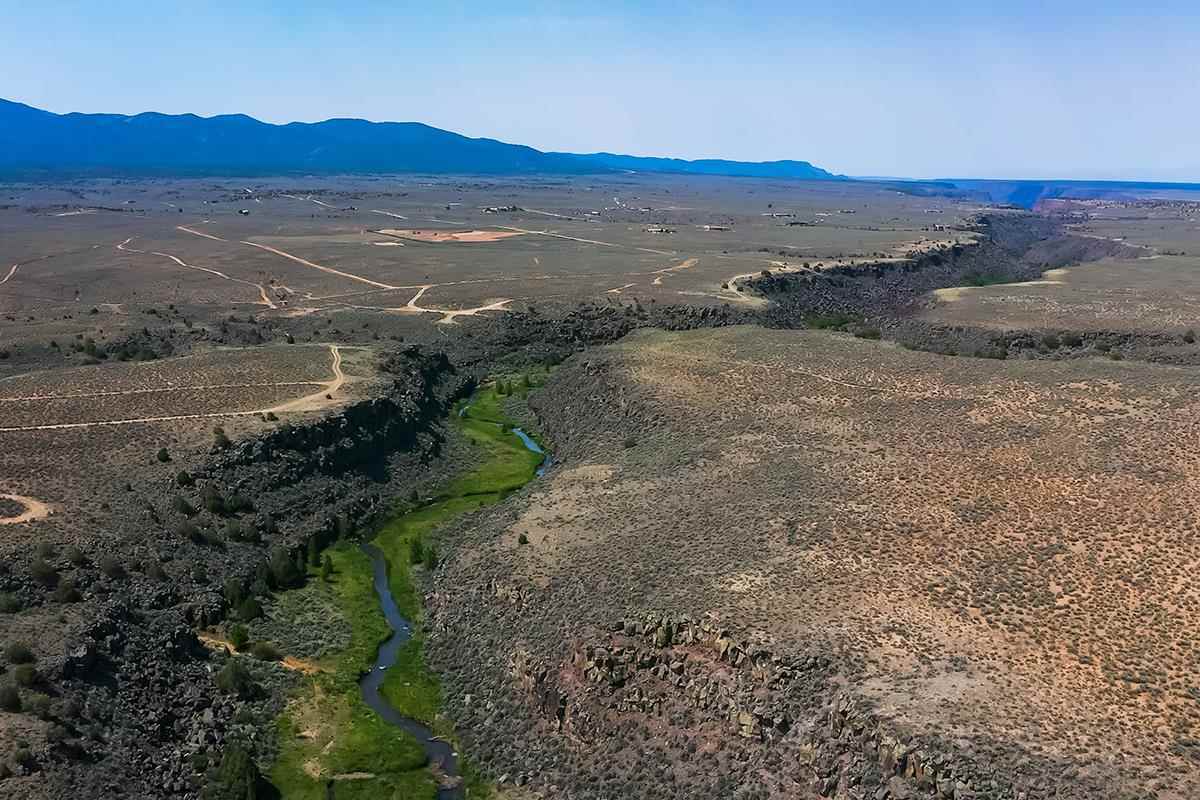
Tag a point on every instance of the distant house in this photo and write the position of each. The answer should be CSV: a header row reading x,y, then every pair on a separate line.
x,y
245,212
715,227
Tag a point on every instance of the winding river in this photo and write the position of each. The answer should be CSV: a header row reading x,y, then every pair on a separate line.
x,y
439,752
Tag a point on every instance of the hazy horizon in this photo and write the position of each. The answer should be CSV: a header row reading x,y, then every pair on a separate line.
x,y
1085,92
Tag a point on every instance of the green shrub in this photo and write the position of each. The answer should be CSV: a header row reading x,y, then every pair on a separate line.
x,y
1189,336
238,504
188,530
180,504
833,321
163,455
235,778
25,675
220,440
111,567
326,568
1051,341
431,557
43,573
1072,339
250,609
75,556
10,699
265,651
416,551
45,550
157,572
18,653
66,592
184,478
234,592
868,333
22,757
211,500
234,678
239,636
522,539
38,704
283,568
9,603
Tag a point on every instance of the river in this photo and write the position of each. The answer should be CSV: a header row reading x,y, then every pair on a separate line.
x,y
439,752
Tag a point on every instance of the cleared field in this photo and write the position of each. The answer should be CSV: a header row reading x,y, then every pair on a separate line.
x,y
449,236
999,553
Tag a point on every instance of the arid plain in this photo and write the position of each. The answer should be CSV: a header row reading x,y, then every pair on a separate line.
x,y
854,492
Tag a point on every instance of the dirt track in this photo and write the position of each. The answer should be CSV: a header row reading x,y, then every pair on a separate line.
x,y
329,270
309,402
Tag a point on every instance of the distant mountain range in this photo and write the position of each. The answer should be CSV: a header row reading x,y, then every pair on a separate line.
x,y
33,142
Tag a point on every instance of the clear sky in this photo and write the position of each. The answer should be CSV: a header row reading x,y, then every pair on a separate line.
x,y
1102,89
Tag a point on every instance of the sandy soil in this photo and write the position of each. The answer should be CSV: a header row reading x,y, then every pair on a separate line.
x,y
34,509
448,236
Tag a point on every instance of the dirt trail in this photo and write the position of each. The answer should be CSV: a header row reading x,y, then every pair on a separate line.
x,y
314,401
186,229
34,509
309,199
127,392
264,298
329,270
685,264
318,398
215,642
448,314
13,269
585,241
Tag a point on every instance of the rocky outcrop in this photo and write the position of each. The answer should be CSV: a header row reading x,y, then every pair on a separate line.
x,y
423,388
800,731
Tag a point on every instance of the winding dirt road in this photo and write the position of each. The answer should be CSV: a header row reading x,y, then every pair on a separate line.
x,y
264,298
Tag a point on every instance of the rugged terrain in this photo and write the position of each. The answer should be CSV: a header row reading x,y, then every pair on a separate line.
x,y
776,562
767,562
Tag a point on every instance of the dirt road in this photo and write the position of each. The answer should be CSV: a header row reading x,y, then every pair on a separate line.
x,y
314,401
329,270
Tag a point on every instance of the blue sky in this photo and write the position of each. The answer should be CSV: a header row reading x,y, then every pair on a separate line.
x,y
1015,89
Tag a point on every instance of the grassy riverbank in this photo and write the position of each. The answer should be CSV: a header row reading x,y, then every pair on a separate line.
x,y
327,732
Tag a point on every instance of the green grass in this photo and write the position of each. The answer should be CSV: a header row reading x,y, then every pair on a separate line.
x,y
330,702
975,278
505,465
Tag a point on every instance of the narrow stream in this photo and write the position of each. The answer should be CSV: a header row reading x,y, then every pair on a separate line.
x,y
438,751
